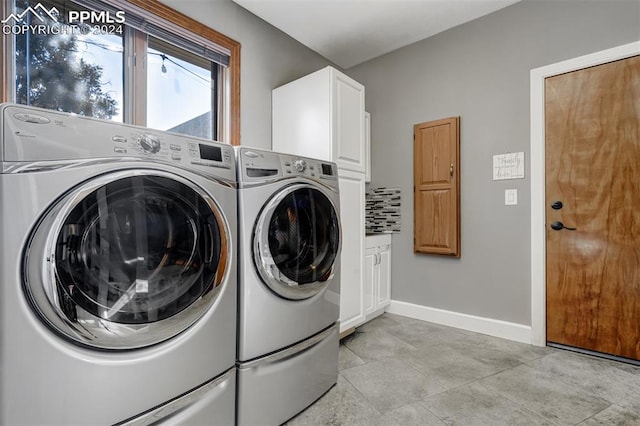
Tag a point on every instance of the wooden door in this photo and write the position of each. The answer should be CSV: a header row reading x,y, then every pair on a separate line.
x,y
436,190
592,156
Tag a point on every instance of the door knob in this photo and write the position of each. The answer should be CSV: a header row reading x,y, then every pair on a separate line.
x,y
556,205
557,226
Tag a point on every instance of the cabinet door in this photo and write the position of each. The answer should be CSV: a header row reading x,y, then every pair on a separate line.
x,y
348,114
436,187
370,280
383,291
367,147
301,116
352,257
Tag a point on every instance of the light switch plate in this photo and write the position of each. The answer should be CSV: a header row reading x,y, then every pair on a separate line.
x,y
510,197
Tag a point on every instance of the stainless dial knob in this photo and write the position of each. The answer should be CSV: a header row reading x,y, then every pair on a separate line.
x,y
300,166
149,143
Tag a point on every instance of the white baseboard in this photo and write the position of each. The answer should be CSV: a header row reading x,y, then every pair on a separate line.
x,y
492,327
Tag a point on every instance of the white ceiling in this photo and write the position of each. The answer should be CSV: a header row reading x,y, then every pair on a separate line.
x,y
349,32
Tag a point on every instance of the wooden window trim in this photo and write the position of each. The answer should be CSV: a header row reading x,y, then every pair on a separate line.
x,y
230,123
172,15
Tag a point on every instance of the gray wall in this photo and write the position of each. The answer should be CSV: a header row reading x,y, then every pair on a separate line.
x,y
269,58
479,71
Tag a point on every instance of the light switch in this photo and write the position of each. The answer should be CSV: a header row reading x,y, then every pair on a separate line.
x,y
510,197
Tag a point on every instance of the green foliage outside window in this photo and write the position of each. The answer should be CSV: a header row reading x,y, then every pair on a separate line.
x,y
51,74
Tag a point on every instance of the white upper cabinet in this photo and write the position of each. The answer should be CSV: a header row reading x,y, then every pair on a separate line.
x,y
321,115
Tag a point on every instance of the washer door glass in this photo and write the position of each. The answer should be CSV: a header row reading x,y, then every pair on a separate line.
x,y
134,256
297,242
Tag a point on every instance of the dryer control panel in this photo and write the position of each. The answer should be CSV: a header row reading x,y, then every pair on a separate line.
x,y
260,165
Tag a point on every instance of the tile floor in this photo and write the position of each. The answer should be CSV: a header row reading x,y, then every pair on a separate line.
x,y
400,371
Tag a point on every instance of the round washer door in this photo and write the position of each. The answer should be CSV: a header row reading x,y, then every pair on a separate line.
x,y
297,242
127,260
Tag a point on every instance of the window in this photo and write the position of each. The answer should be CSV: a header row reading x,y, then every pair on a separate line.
x,y
136,62
80,73
173,74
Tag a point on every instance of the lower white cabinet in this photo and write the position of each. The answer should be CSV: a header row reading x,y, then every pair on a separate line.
x,y
365,280
352,258
377,275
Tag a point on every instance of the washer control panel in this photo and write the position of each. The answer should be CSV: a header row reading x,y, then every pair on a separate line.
x,y
174,148
35,134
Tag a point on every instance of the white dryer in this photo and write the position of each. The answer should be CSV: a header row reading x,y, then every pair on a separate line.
x,y
117,273
289,293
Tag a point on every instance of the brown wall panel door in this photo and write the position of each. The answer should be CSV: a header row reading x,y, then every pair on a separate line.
x,y
592,156
436,157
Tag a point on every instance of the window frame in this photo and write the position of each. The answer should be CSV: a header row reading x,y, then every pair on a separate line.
x,y
228,82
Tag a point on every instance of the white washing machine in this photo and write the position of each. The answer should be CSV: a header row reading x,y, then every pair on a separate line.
x,y
117,273
289,293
